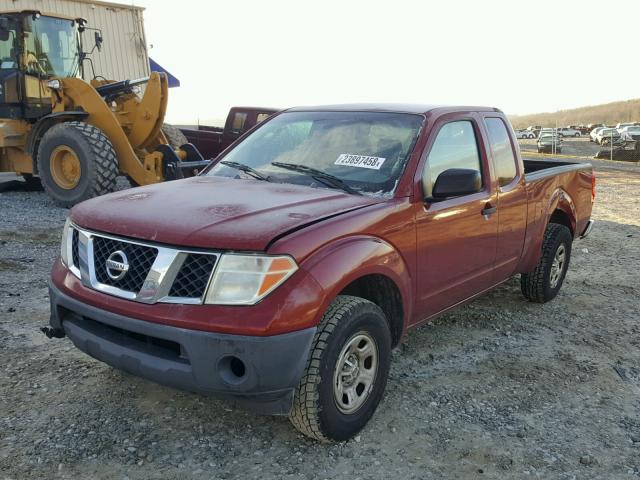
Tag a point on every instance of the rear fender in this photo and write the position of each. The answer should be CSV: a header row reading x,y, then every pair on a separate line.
x,y
45,123
560,201
77,93
338,264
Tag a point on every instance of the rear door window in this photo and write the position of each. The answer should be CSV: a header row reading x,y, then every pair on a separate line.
x,y
504,157
261,117
239,119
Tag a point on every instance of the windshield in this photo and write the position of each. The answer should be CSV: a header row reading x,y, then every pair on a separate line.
x,y
367,151
51,47
548,137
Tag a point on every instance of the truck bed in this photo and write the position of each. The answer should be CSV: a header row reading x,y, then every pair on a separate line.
x,y
549,180
535,169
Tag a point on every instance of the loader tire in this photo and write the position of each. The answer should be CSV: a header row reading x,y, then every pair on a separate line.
x,y
543,284
76,161
174,136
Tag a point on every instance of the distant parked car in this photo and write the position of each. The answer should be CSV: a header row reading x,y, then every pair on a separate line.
x,y
535,129
569,132
630,133
549,143
607,135
544,131
593,126
594,132
525,134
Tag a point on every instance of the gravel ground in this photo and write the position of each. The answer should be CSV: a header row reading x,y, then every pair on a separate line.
x,y
500,388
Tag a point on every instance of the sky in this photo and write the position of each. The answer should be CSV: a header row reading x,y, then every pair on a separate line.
x,y
522,57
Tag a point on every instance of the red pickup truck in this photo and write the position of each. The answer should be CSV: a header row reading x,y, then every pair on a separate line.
x,y
210,141
282,276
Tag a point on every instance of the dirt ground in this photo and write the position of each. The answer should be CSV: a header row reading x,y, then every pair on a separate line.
x,y
500,388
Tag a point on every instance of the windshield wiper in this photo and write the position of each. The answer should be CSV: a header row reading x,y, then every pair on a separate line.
x,y
246,169
324,177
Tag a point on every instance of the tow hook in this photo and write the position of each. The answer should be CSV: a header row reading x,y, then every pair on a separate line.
x,y
52,332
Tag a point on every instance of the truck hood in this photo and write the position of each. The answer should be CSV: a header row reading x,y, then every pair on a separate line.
x,y
213,212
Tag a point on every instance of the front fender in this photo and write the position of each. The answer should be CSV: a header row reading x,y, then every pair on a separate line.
x,y
341,262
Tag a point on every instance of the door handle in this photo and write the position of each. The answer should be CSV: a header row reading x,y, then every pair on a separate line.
x,y
488,210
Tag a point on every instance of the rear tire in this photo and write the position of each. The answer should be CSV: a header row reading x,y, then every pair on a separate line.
x,y
174,136
76,161
346,372
543,284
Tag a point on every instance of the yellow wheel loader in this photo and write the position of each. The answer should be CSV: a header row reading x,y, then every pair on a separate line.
x,y
75,137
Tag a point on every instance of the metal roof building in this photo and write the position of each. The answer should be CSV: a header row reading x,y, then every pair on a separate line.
x,y
124,50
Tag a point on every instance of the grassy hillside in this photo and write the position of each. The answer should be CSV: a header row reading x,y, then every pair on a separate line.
x,y
609,114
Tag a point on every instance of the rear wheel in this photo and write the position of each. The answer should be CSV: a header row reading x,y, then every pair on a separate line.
x,y
543,284
76,161
346,372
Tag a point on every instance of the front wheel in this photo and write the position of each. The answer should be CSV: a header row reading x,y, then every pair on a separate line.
x,y
543,284
76,161
346,372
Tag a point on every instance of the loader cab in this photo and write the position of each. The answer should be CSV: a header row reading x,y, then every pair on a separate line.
x,y
35,48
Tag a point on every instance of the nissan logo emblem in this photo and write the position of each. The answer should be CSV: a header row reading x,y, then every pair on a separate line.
x,y
117,265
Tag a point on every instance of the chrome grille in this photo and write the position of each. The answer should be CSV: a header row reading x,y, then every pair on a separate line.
x,y
155,273
193,276
141,258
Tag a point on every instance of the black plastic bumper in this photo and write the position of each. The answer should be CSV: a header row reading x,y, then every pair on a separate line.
x,y
259,373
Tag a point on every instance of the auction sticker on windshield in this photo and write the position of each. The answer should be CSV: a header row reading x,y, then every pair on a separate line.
x,y
362,161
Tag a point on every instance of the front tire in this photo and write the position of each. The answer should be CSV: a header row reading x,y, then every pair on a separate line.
x,y
346,372
544,283
76,161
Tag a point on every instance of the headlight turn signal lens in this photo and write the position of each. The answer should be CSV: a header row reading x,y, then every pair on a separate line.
x,y
247,279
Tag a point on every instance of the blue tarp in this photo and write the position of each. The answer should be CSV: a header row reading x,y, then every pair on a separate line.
x,y
155,67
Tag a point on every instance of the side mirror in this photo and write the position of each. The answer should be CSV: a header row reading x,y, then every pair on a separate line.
x,y
98,38
457,181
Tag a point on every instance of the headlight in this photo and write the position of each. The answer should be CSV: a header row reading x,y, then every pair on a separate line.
x,y
65,244
247,279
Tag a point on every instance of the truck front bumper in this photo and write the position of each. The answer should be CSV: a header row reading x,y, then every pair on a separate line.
x,y
259,373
